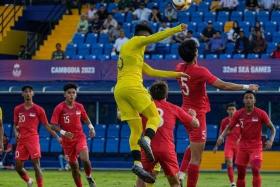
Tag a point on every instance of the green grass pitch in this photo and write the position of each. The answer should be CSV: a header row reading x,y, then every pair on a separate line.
x,y
126,179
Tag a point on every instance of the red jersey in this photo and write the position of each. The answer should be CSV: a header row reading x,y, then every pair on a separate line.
x,y
250,127
27,121
234,135
69,119
194,89
169,113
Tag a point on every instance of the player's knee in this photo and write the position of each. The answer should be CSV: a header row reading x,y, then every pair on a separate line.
x,y
174,181
154,122
229,162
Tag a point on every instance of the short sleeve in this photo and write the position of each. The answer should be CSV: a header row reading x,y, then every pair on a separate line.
x,y
16,116
208,76
234,119
55,115
84,115
265,118
183,116
42,116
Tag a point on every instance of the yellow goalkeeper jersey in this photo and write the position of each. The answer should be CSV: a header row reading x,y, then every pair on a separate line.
x,y
131,59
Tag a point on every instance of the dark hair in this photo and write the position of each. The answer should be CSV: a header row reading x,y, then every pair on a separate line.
x,y
187,50
159,90
58,44
190,31
142,27
26,87
232,104
69,86
249,92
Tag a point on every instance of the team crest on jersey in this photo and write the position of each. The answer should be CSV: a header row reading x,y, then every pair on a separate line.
x,y
32,114
255,119
78,112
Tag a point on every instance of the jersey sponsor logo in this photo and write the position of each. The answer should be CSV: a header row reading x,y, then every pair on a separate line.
x,y
32,115
78,112
35,154
16,70
255,119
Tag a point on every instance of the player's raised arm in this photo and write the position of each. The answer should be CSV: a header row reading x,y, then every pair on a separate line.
x,y
156,37
148,70
234,87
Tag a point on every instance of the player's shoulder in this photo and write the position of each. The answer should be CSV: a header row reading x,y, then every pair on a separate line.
x,y
38,107
225,119
180,66
260,111
80,105
60,105
18,107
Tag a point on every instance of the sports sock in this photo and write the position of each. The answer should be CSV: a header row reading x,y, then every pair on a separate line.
x,y
256,165
39,182
193,173
186,160
241,176
87,167
78,181
25,176
230,173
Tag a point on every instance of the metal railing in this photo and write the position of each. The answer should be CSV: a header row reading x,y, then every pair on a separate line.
x,y
7,16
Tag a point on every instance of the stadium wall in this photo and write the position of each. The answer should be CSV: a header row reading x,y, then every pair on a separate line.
x,y
11,43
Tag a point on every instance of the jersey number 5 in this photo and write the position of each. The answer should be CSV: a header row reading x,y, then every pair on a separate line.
x,y
161,113
184,86
66,119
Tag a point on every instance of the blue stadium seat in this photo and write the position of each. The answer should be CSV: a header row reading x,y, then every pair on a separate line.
x,y
276,37
44,144
171,57
150,5
197,17
98,145
111,7
225,56
192,8
238,56
252,56
268,36
246,27
154,26
120,17
236,16
203,7
89,143
250,16
181,132
108,48
230,47
91,38
271,47
113,131
162,48
114,57
100,130
270,26
212,132
211,56
84,49
201,56
193,26
275,16
181,145
174,49
125,131
219,26
103,57
124,145
265,56
129,17
263,16
277,136
71,50
183,17
90,57
157,57
223,16
43,132
97,49
210,16
103,38
55,146
79,38
112,145
147,57
127,28
8,129
77,57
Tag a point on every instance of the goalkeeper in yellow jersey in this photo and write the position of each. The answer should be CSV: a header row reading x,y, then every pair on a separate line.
x,y
133,99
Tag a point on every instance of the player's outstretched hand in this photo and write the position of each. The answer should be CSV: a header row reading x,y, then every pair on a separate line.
x,y
69,135
92,133
182,74
215,149
192,112
254,87
268,145
59,139
220,141
184,26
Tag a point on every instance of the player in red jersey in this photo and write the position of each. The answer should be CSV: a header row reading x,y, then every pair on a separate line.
x,y
163,143
66,119
195,97
27,117
231,143
251,120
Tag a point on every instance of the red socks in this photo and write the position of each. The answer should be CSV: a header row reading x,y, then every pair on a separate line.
x,y
25,176
241,176
230,172
256,165
88,170
193,173
40,182
78,182
186,160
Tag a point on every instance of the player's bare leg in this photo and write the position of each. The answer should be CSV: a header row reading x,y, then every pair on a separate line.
x,y
38,172
76,173
153,121
256,166
193,168
136,130
173,181
23,173
230,171
84,156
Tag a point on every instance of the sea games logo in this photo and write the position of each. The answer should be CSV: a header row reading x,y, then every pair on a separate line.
x,y
16,70
72,70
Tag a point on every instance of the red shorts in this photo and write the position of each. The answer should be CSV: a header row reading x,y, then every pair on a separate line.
x,y
230,150
27,149
167,160
73,148
244,157
199,134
